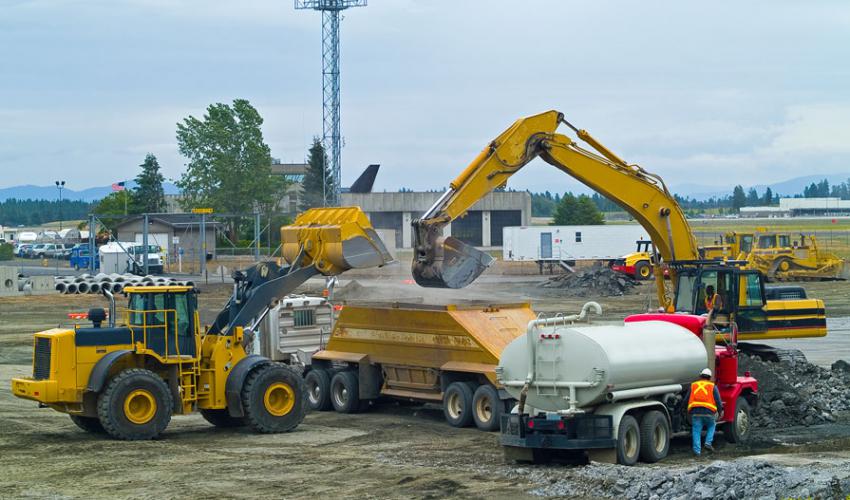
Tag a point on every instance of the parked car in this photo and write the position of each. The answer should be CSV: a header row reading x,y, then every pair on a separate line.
x,y
54,251
80,257
22,249
37,251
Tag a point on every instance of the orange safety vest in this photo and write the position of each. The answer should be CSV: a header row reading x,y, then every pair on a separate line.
x,y
710,303
702,395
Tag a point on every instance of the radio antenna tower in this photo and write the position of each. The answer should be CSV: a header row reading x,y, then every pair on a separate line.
x,y
331,136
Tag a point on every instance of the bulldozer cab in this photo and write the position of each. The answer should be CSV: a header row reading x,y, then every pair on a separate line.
x,y
165,320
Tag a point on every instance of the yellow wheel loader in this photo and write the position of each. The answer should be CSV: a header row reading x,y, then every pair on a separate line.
x,y
128,380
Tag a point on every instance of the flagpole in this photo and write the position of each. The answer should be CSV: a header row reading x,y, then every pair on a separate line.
x,y
125,198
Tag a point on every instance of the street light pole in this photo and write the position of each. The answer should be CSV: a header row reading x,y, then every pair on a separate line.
x,y
60,185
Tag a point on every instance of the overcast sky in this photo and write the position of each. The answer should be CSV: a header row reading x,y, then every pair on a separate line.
x,y
712,93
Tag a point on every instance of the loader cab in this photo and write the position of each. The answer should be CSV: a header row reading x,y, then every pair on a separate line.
x,y
165,318
741,295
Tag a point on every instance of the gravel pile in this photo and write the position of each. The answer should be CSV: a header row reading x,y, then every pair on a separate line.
x,y
797,393
596,281
715,480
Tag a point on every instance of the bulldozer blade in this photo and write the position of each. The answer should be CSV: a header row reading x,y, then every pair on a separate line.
x,y
454,265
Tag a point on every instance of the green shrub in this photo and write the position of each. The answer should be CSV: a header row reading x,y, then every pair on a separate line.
x,y
6,251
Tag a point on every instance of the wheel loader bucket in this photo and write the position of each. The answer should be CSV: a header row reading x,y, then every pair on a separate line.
x,y
448,262
334,240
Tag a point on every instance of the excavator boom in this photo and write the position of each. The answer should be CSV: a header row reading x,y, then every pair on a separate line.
x,y
449,263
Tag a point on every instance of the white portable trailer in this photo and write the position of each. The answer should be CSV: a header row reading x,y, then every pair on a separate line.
x,y
570,243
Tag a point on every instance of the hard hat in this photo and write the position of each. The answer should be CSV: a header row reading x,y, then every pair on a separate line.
x,y
705,373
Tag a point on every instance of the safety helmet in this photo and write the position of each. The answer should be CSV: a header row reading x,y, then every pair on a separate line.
x,y
706,372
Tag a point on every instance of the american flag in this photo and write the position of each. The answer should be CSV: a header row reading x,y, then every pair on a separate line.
x,y
118,186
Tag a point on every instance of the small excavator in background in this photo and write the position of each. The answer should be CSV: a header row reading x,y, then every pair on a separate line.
x,y
446,262
128,380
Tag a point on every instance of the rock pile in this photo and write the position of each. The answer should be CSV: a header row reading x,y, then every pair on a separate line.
x,y
716,480
597,281
797,393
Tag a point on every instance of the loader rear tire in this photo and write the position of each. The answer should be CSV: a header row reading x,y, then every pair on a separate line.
x,y
643,271
274,398
135,405
318,383
345,392
88,424
222,418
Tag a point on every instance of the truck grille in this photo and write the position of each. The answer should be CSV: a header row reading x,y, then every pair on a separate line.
x,y
41,364
304,317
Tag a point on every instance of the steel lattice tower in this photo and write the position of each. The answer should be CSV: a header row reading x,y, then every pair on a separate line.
x,y
331,135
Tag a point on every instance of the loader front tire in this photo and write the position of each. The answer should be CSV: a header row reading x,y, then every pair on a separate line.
x,y
135,405
274,398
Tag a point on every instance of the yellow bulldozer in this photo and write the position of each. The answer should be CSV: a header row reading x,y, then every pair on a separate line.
x,y
779,256
127,380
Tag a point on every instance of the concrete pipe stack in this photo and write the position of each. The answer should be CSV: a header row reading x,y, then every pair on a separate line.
x,y
115,283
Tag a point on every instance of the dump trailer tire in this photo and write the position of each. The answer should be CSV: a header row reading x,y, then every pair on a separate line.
x,y
222,418
135,405
654,436
88,424
628,441
457,404
643,271
487,408
274,399
739,429
318,382
344,392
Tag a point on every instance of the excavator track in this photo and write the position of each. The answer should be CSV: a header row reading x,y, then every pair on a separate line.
x,y
773,354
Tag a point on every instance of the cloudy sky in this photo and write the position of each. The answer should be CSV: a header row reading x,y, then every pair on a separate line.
x,y
710,93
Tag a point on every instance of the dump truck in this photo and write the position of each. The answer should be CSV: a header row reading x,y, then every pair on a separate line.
x,y
615,392
437,354
128,380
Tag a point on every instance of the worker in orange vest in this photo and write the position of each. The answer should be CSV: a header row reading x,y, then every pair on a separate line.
x,y
704,405
713,302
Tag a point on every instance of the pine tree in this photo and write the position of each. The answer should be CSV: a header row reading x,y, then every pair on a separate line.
x,y
148,195
577,211
739,199
318,185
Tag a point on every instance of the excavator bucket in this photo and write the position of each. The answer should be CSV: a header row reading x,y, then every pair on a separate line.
x,y
334,240
447,262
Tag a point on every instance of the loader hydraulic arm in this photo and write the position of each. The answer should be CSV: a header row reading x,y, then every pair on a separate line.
x,y
447,262
325,241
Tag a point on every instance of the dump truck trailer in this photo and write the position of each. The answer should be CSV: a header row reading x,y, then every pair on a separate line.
x,y
439,354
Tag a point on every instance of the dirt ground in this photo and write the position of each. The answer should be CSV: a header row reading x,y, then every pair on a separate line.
x,y
393,450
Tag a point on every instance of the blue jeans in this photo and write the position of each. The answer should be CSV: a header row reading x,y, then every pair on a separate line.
x,y
697,423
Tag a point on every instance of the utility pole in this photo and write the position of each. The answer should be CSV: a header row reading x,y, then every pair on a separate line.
x,y
60,185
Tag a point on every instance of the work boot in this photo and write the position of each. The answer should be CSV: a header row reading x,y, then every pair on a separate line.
x,y
709,448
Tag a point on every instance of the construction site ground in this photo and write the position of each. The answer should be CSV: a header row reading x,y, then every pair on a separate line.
x,y
392,450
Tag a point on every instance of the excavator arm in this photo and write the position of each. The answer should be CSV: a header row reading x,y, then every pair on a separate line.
x,y
449,263
326,241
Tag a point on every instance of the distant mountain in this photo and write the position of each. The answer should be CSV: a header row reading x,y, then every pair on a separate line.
x,y
790,187
30,192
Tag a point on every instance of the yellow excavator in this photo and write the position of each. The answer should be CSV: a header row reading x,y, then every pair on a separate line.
x,y
448,262
128,380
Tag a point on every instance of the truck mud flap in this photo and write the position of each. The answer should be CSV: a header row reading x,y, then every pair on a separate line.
x,y
576,433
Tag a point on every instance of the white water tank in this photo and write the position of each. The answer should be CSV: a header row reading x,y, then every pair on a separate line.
x,y
610,358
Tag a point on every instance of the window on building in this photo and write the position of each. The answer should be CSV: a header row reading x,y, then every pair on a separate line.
x,y
578,236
